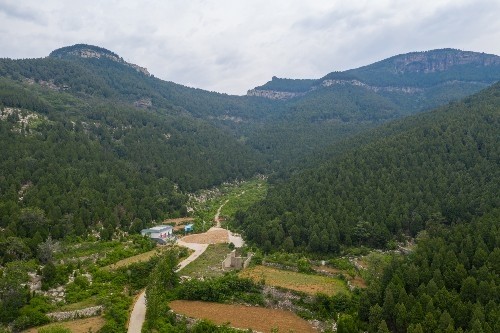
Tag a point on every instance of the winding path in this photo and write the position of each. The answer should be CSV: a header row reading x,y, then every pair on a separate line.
x,y
138,314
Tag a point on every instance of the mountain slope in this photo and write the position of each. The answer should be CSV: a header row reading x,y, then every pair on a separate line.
x,y
441,166
344,103
82,162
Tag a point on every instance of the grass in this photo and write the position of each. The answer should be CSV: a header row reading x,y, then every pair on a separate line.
x,y
244,317
306,283
79,305
137,258
209,264
244,196
240,196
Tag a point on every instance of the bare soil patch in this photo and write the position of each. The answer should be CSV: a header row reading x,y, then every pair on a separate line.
x,y
358,282
212,236
244,317
85,325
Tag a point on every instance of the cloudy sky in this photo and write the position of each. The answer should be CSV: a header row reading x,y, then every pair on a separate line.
x,y
231,46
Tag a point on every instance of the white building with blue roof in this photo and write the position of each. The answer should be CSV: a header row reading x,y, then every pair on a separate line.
x,y
159,233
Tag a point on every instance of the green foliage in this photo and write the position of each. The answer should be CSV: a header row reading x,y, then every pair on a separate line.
x,y
438,168
289,85
447,283
162,281
221,289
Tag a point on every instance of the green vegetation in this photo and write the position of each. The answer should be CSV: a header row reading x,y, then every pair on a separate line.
x,y
306,283
289,85
94,149
441,167
450,282
232,196
209,263
227,288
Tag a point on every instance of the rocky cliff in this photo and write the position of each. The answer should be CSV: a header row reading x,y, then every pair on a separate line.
x,y
440,60
90,51
409,73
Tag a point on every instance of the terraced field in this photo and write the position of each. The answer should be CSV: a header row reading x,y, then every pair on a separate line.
x,y
244,317
307,283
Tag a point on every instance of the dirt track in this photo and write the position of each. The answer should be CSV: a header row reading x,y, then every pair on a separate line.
x,y
138,314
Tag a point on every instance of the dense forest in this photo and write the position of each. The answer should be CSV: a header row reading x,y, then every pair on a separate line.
x,y
94,148
449,284
440,166
71,165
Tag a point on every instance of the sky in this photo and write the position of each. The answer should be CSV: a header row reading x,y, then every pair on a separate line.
x,y
230,46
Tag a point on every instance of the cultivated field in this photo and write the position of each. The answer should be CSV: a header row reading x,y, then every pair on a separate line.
x,y
137,258
307,283
241,316
92,324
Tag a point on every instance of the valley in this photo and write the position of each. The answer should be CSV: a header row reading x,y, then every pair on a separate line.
x,y
363,201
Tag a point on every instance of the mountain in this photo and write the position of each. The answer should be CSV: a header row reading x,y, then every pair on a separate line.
x,y
90,138
341,104
440,166
78,154
410,73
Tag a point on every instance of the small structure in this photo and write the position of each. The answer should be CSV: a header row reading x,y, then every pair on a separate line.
x,y
188,227
236,262
161,233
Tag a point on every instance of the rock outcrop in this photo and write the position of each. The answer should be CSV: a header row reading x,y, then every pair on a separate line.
x,y
273,94
90,51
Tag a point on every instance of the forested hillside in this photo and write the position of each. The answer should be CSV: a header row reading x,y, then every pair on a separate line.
x,y
322,112
73,164
441,166
449,284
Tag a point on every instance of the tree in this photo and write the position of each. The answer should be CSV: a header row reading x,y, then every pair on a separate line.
x,y
346,324
288,244
382,327
47,249
376,316
49,274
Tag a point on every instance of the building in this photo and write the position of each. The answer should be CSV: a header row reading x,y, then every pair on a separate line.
x,y
160,233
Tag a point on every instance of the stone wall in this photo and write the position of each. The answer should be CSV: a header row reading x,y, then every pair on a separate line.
x,y
71,315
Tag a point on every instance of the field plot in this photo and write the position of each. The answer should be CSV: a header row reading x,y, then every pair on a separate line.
x,y
241,316
209,264
137,258
310,284
92,324
212,236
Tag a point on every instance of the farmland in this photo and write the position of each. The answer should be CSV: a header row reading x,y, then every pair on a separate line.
x,y
85,325
309,284
241,316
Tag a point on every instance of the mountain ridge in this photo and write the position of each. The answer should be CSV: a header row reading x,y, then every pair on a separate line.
x,y
417,63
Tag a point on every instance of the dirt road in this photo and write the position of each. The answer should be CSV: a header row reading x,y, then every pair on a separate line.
x,y
212,236
139,311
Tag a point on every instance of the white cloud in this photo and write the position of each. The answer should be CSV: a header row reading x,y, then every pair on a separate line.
x,y
231,46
